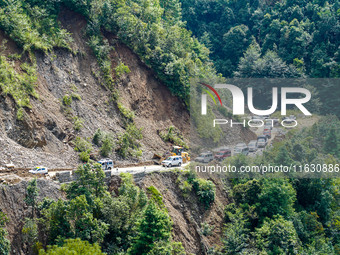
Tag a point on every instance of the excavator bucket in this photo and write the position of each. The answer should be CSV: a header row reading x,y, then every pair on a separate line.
x,y
157,159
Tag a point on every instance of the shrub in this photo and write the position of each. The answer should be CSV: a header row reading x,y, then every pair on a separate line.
x,y
67,100
185,187
32,27
121,69
173,135
78,123
76,96
205,190
107,145
156,196
206,229
20,113
128,144
19,85
74,247
127,114
84,147
84,156
101,49
97,137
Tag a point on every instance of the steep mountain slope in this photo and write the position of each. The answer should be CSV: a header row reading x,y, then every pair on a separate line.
x,y
46,132
189,216
13,205
187,213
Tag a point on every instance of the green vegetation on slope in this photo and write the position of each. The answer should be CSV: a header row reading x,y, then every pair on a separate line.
x,y
282,215
153,29
126,222
4,242
20,85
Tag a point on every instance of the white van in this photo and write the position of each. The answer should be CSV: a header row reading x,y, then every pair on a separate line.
x,y
107,164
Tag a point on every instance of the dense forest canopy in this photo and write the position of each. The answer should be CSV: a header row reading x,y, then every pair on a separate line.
x,y
272,39
301,33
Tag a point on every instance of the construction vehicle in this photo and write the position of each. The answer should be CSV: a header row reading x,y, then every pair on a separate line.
x,y
179,151
176,151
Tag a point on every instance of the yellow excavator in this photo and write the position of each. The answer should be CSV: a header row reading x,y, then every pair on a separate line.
x,y
176,151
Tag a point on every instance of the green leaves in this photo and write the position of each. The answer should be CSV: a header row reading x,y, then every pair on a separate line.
x,y
33,28
277,197
82,222
32,193
128,142
4,242
155,226
278,236
90,183
73,247
20,85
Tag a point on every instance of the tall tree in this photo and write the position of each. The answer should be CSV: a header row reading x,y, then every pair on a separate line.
x,y
154,227
4,242
32,193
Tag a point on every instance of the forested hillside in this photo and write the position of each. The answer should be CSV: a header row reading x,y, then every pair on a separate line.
x,y
304,35
272,39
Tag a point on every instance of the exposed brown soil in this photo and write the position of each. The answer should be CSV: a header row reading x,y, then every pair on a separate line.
x,y
45,135
188,214
13,205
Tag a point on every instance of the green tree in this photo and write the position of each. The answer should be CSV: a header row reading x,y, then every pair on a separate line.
x,y
107,145
30,233
277,197
283,157
32,193
236,40
167,248
73,247
97,137
90,182
4,242
331,145
122,213
236,233
55,221
155,226
205,190
82,222
277,236
308,228
317,195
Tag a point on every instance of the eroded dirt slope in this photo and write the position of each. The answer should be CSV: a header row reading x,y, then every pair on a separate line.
x,y
45,135
13,205
188,214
